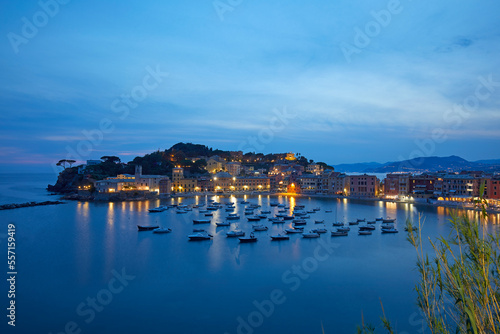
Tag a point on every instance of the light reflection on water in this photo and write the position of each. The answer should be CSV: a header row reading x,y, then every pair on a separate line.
x,y
104,236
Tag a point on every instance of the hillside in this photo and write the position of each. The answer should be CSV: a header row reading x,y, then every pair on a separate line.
x,y
427,164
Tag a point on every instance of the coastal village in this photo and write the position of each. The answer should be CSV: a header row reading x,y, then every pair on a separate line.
x,y
287,174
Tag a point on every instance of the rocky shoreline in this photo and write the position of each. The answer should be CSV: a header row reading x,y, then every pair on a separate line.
x,y
28,204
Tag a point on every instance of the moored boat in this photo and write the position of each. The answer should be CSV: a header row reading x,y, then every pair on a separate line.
x,y
339,234
364,232
260,227
147,228
200,236
235,233
310,234
162,230
280,237
250,238
201,221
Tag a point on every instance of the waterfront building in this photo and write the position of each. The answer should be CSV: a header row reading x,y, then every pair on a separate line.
x,y
397,185
225,182
127,182
181,184
364,186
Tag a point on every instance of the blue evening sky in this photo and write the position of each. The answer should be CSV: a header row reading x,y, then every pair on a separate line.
x,y
337,81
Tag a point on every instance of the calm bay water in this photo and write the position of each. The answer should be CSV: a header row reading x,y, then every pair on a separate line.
x,y
67,255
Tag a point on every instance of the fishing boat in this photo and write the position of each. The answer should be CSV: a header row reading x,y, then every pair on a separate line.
x,y
146,228
279,236
201,221
339,234
200,236
250,238
235,233
162,230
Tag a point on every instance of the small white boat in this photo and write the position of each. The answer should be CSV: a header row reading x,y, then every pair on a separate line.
x,y
319,230
235,233
389,230
260,227
293,230
250,238
310,234
162,230
199,236
161,208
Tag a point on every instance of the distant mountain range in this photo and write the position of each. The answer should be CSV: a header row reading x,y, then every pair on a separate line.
x,y
426,164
